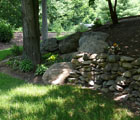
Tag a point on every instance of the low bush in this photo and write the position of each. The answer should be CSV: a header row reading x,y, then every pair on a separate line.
x,y
50,59
17,63
6,31
16,50
81,28
26,65
40,70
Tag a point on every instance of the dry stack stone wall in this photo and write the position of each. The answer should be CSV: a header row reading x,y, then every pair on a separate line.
x,y
108,73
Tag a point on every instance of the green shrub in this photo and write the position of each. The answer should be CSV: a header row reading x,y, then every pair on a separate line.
x,y
6,31
16,50
40,69
26,65
50,59
14,63
81,28
97,22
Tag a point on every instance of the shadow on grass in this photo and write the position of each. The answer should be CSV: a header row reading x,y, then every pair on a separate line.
x,y
7,83
70,103
38,102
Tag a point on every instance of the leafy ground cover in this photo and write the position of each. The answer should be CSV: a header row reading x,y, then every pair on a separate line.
x,y
23,101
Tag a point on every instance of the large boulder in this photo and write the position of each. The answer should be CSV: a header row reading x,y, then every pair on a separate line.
x,y
57,73
93,42
70,44
50,45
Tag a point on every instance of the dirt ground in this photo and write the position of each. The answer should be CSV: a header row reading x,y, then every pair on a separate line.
x,y
126,34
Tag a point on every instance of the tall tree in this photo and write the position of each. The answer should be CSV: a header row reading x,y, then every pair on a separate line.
x,y
113,12
112,9
44,23
31,38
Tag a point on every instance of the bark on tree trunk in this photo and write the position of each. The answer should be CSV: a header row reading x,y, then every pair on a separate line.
x,y
113,13
44,23
31,39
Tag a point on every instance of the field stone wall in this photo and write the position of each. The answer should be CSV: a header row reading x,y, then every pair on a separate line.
x,y
108,73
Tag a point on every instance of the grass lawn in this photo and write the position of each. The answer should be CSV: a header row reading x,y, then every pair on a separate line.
x,y
23,101
6,53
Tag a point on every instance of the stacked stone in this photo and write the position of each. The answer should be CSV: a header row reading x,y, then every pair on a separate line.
x,y
114,73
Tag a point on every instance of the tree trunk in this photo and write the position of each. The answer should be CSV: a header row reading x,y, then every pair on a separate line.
x,y
44,23
113,12
31,39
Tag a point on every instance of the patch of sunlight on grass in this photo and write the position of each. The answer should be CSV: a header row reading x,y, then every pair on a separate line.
x,y
23,101
5,53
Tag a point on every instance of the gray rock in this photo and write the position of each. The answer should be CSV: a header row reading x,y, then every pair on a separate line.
x,y
93,56
138,71
111,88
102,56
108,67
127,65
105,77
121,81
112,58
93,42
57,73
50,45
115,67
75,62
68,57
127,74
126,59
91,82
136,62
118,88
70,44
136,77
110,82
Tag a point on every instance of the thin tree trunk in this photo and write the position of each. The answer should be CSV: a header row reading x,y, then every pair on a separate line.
x,y
44,23
113,13
31,39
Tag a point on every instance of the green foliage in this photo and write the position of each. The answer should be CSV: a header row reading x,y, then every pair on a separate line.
x,y
97,22
6,31
81,28
17,63
50,59
10,10
40,70
63,15
125,8
26,65
14,63
16,50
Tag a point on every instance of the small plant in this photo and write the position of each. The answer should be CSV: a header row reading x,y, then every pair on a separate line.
x,y
50,59
13,63
81,28
113,49
6,31
40,69
26,65
16,50
97,22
